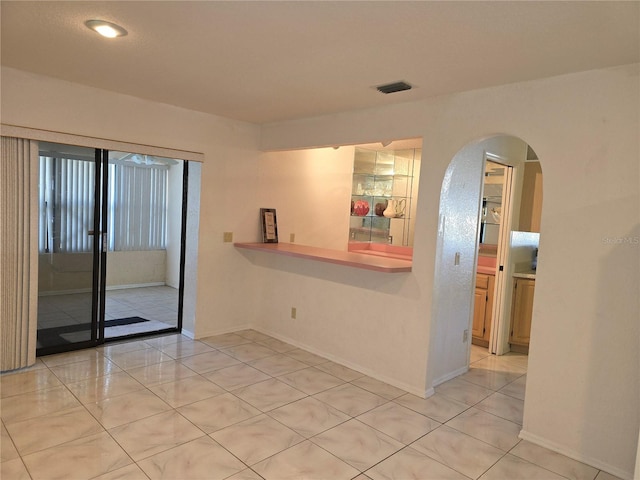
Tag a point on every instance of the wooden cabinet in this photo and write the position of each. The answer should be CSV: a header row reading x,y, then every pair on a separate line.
x,y
531,201
482,307
521,311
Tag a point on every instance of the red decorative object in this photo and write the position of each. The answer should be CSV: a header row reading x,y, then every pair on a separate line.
x,y
361,208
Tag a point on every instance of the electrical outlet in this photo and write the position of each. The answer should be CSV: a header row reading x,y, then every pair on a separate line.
x,y
294,313
292,238
465,336
227,237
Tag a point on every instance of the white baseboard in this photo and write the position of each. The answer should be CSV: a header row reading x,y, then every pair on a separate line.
x,y
222,331
449,376
543,442
188,333
358,368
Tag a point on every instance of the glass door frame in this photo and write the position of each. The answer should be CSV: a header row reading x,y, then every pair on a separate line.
x,y
99,271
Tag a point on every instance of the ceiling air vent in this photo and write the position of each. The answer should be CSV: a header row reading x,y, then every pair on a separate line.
x,y
393,87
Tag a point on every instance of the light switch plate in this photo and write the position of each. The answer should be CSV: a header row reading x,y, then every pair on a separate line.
x,y
227,237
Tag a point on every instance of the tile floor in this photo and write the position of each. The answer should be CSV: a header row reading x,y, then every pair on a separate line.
x,y
158,304
247,406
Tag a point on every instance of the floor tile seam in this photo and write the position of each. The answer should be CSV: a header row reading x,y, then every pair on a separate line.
x,y
510,452
499,416
463,402
157,453
503,453
399,441
326,360
6,421
435,419
375,393
82,360
508,395
479,439
310,439
91,377
25,467
419,452
115,440
230,452
347,413
133,367
540,466
13,443
250,465
66,387
58,445
137,419
483,411
479,385
317,433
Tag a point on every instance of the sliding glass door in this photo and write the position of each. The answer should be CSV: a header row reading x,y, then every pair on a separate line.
x,y
68,257
143,254
110,241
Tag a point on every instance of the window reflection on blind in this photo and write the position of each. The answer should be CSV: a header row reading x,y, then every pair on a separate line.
x,y
137,206
66,192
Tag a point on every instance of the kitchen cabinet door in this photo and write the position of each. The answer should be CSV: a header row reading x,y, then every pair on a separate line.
x,y
479,309
522,311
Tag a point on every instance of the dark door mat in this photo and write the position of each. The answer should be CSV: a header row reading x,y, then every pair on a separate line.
x,y
52,337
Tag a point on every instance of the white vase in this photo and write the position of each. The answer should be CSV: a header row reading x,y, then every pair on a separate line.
x,y
395,208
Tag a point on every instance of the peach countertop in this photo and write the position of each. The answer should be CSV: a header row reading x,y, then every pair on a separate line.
x,y
486,270
486,265
350,259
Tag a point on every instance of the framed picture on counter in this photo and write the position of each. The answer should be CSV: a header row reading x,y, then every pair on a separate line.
x,y
269,225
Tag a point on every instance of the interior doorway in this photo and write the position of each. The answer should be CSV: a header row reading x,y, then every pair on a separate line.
x,y
458,258
111,236
509,229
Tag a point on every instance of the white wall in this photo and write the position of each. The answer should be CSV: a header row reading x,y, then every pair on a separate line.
x,y
228,173
311,192
583,387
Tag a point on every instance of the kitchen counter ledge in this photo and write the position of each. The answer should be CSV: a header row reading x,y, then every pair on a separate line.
x,y
338,257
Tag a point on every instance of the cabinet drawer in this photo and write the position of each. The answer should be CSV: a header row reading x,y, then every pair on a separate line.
x,y
482,281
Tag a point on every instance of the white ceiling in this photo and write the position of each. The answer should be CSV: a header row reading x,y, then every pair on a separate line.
x,y
270,61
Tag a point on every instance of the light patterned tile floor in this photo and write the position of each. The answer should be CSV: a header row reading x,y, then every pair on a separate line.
x,y
248,406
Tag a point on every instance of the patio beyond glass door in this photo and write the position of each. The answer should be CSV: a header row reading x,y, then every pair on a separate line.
x,y
68,248
110,246
143,254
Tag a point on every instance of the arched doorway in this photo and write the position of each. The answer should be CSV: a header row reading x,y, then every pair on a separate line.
x,y
457,253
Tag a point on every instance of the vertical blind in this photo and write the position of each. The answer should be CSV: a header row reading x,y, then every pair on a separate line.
x,y
136,212
137,207
18,271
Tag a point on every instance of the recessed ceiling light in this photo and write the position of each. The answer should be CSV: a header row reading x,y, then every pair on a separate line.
x,y
106,29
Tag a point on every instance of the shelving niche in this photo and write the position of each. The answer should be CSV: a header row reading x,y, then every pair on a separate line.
x,y
380,177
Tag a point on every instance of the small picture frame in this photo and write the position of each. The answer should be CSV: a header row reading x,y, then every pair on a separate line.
x,y
269,225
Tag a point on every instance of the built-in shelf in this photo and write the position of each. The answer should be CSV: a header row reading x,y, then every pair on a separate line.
x,y
350,259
